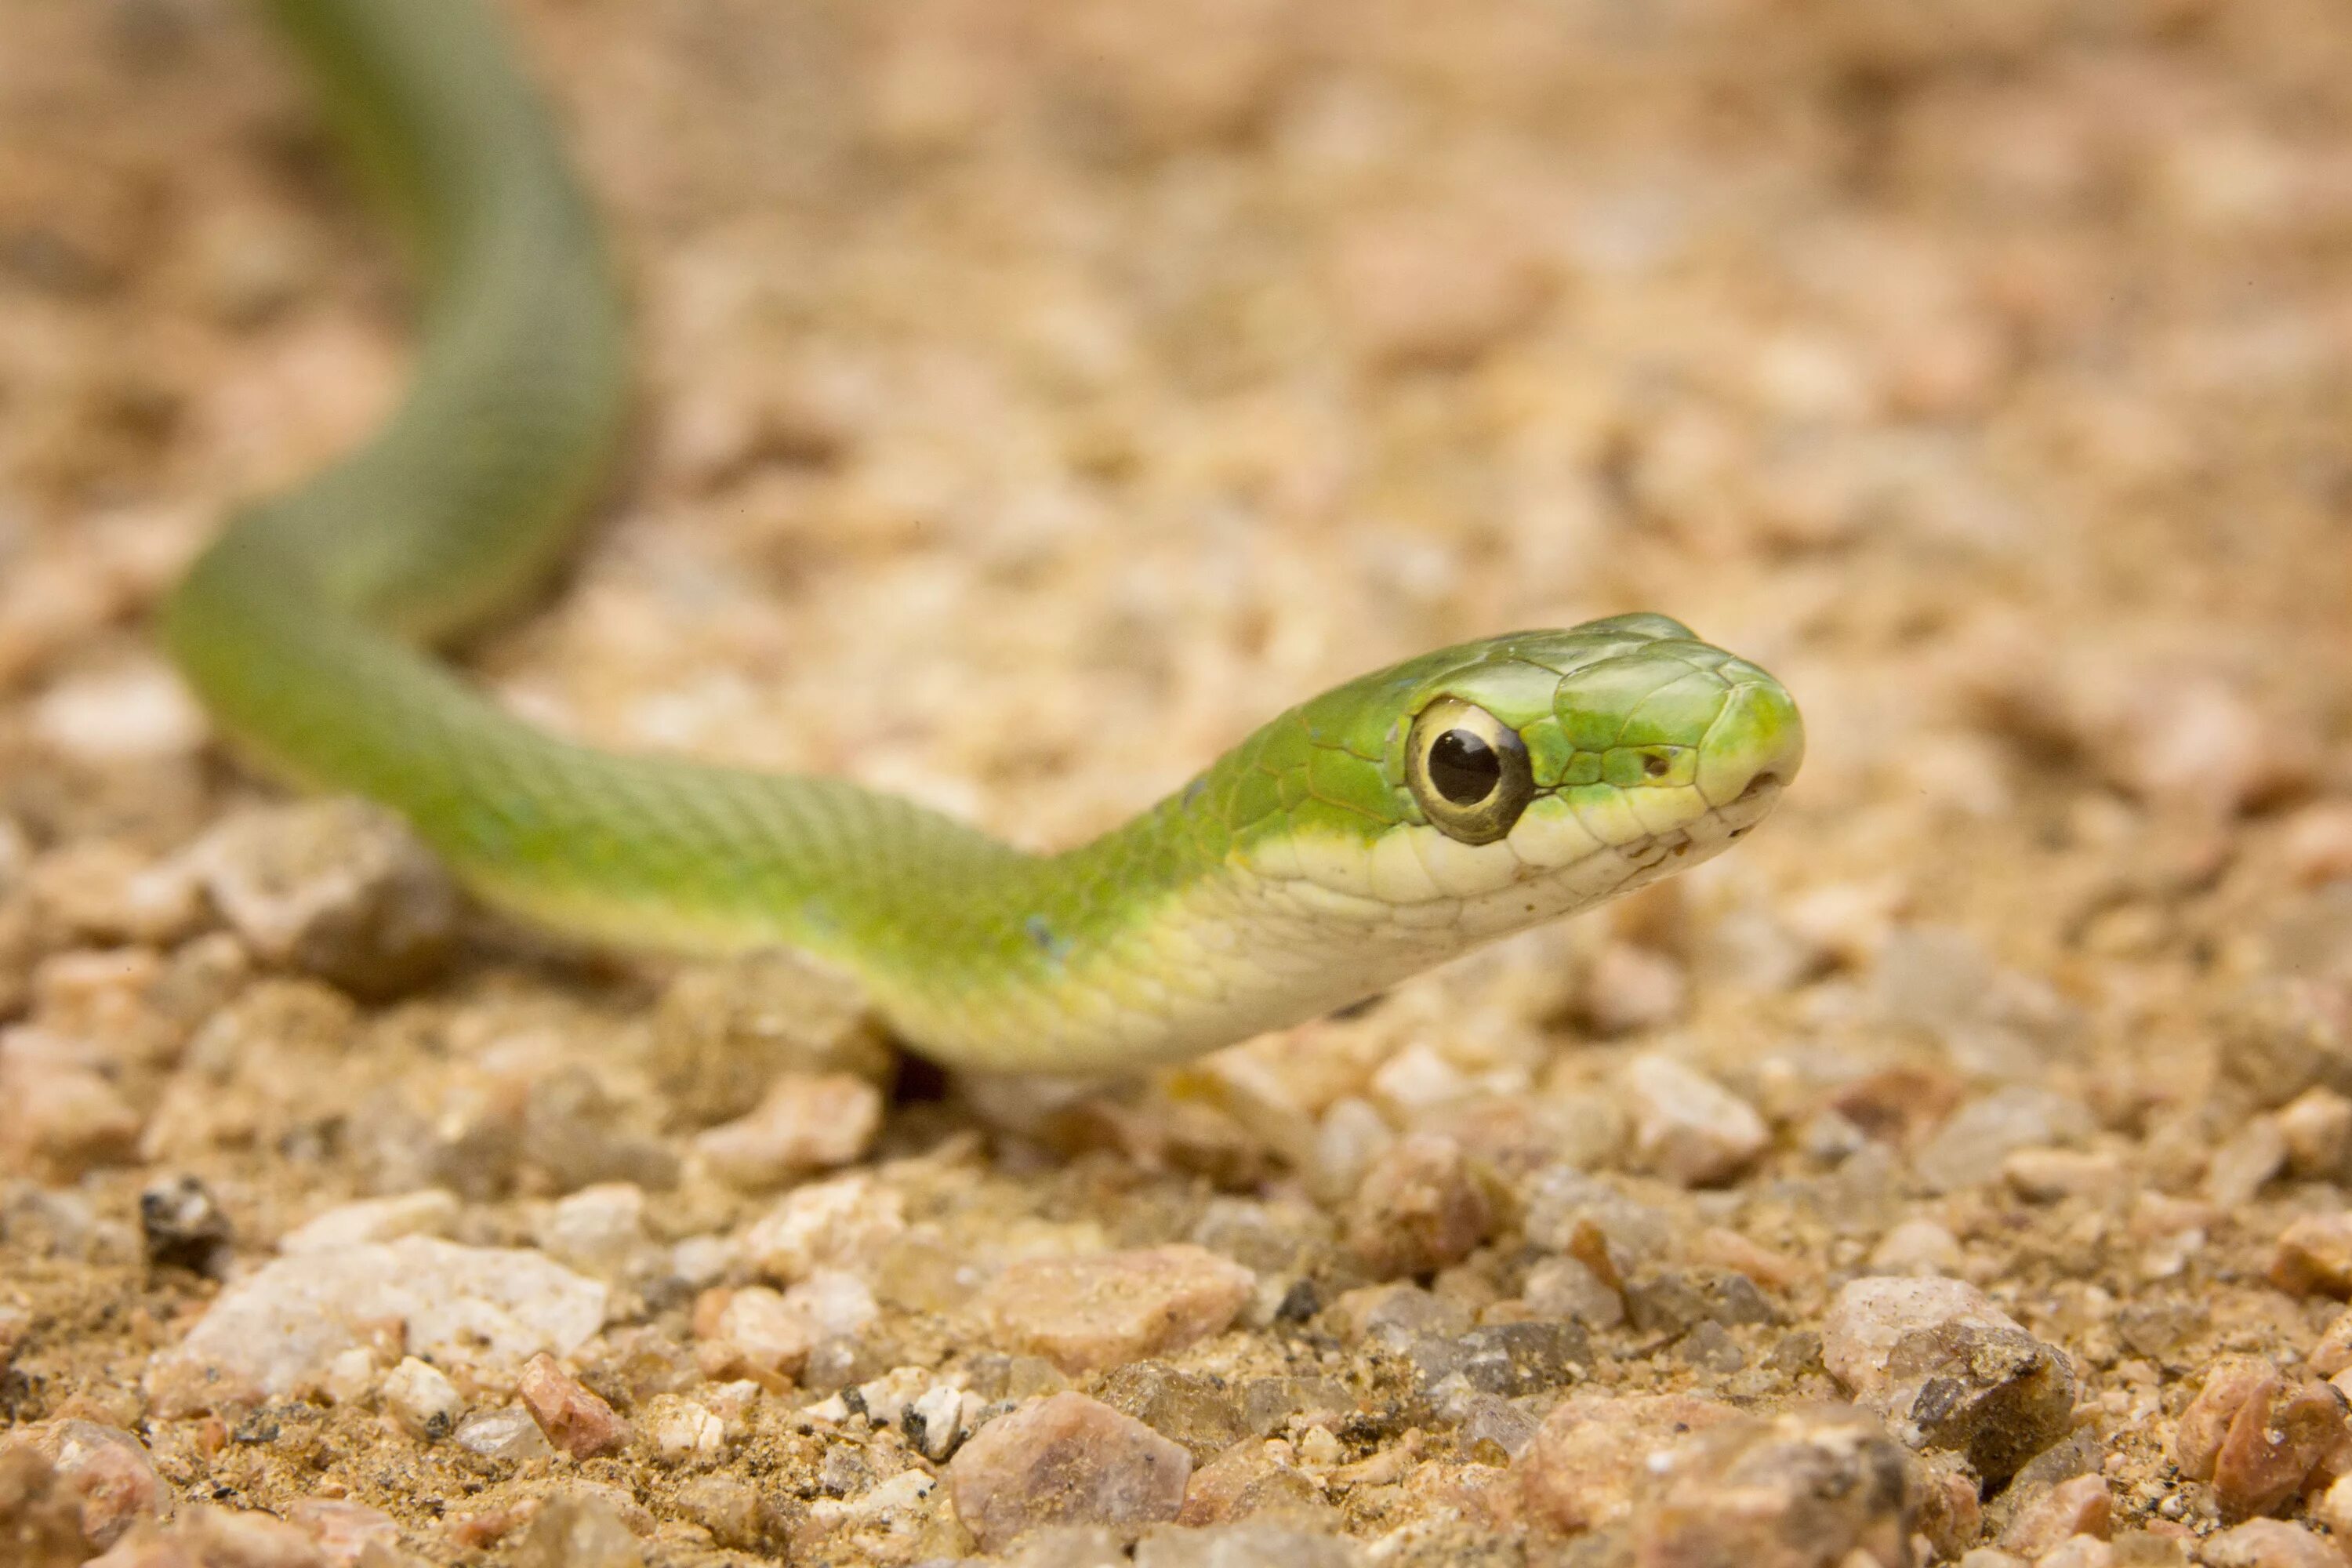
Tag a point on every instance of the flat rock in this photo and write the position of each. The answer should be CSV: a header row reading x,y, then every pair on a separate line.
x,y
1086,1313
274,1334
1065,1460
1948,1370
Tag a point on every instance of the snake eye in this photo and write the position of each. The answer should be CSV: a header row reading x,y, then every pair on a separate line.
x,y
1469,771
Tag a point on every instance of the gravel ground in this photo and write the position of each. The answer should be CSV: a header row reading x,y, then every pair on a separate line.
x,y
1039,394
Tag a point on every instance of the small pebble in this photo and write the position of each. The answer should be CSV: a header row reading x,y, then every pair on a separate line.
x,y
2314,1257
2261,1439
430,1212
724,1033
579,1530
106,1469
2082,1506
597,1228
1089,1313
2317,1127
347,1534
120,718
183,1226
683,1431
934,1422
426,1404
1568,1287
1185,1407
1065,1459
767,1334
60,1117
1918,1247
1814,1489
1686,1127
2244,1163
576,1420
508,1434
1632,988
1969,1149
1420,1208
1251,1543
1948,1369
828,1224
2053,1175
2268,1543
805,1123
1247,1479
336,889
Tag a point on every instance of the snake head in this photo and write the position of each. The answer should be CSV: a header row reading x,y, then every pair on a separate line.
x,y
1492,785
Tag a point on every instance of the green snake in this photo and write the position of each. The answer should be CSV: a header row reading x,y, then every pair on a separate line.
x,y
1382,827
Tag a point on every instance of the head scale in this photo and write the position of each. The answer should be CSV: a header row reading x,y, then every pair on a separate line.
x,y
1485,787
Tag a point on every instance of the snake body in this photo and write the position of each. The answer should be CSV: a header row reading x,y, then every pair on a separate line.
x,y
1379,827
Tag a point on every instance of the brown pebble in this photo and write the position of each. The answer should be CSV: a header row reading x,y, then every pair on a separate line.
x,y
1086,1313
2314,1257
2198,1436
574,1419
2276,1445
1948,1369
1419,1208
1065,1459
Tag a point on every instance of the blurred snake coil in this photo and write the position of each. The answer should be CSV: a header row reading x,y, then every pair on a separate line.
x,y
1387,825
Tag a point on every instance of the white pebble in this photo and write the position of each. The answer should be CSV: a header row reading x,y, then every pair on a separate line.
x,y
425,1403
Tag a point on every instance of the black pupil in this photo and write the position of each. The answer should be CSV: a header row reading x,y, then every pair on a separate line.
x,y
1464,768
